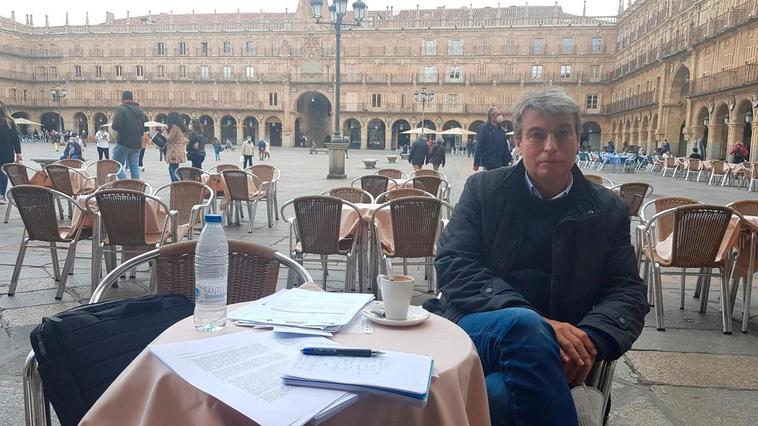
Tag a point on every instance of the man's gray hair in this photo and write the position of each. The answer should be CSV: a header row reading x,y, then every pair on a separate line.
x,y
546,103
490,110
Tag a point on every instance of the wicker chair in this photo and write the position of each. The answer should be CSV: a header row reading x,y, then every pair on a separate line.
x,y
129,184
742,269
190,173
416,224
351,194
600,180
269,175
71,162
670,164
693,166
718,170
315,229
222,168
18,174
392,173
189,199
105,170
427,172
695,242
36,206
238,190
634,193
121,213
394,194
753,176
374,184
432,184
60,177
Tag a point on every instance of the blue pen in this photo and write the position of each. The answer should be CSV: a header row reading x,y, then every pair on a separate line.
x,y
364,353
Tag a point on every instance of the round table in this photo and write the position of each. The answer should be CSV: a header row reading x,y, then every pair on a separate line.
x,y
147,393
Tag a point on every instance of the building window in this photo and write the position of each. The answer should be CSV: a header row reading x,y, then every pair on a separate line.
x,y
182,48
140,71
273,99
98,71
161,49
227,72
160,71
455,47
565,71
227,48
119,71
204,48
250,71
454,73
568,45
429,48
597,45
54,72
510,47
77,70
205,72
376,100
538,46
429,74
595,72
182,71
536,72
249,48
453,101
591,101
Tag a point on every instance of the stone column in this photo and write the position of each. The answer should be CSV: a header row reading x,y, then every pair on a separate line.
x,y
734,135
651,145
754,141
336,160
364,135
713,151
217,130
697,134
642,138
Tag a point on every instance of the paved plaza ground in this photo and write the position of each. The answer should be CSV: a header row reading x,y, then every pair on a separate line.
x,y
690,374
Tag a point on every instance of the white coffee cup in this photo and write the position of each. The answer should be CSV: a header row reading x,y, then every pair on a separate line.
x,y
396,293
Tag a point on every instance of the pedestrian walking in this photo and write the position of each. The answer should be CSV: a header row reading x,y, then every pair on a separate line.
x,y
491,144
248,150
261,148
437,156
217,148
10,146
129,121
146,142
418,154
176,144
267,150
103,143
196,145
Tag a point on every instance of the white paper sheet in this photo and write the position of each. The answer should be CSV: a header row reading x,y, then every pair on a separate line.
x,y
244,371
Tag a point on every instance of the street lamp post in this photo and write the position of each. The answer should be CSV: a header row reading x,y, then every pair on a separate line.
x,y
59,92
424,96
337,12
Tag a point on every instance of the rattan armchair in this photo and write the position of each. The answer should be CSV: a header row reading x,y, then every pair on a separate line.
x,y
190,173
743,271
190,200
269,175
222,167
241,187
71,162
670,164
416,225
434,185
753,176
315,230
18,174
351,194
427,172
129,184
600,180
374,184
392,173
696,240
105,171
394,194
719,169
36,206
60,177
634,193
693,166
122,216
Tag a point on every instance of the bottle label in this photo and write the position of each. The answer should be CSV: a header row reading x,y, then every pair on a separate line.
x,y
211,295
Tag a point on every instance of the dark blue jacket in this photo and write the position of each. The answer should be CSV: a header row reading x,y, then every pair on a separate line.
x,y
595,281
419,153
491,147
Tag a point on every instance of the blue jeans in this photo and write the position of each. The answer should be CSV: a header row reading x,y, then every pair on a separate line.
x,y
172,171
128,157
520,356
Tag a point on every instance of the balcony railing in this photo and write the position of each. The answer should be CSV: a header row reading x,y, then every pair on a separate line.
x,y
638,101
729,79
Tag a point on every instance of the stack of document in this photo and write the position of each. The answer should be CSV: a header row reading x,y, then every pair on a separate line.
x,y
303,309
394,374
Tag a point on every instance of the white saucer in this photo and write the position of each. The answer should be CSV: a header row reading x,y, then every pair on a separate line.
x,y
375,313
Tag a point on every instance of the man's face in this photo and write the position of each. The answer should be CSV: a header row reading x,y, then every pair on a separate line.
x,y
548,145
493,117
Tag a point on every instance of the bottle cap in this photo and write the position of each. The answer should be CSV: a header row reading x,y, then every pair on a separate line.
x,y
213,218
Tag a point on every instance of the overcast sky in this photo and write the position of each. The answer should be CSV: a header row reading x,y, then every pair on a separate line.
x,y
56,9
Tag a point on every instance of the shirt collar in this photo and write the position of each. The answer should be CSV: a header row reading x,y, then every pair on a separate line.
x,y
536,192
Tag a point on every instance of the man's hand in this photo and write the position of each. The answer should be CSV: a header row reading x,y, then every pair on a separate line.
x,y
476,168
577,351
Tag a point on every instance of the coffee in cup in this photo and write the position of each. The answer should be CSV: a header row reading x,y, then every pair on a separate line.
x,y
396,293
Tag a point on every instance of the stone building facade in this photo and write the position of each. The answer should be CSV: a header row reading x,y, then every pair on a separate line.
x,y
660,69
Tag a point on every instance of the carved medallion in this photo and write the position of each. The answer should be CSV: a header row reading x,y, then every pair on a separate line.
x,y
312,46
711,106
731,103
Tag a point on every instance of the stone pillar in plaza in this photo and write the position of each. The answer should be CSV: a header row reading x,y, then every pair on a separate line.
x,y
240,131
217,130
364,136
754,141
336,160
734,135
651,145
697,134
713,151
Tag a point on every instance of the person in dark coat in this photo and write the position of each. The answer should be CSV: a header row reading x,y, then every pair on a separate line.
x,y
437,154
418,154
196,144
129,121
73,149
540,301
491,144
10,146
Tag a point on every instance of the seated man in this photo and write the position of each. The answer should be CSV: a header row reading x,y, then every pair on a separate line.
x,y
72,150
695,155
536,265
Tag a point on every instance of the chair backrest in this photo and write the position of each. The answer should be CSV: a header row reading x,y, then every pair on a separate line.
x,y
122,214
634,193
428,172
36,205
351,194
670,162
746,207
415,222
594,179
190,173
695,164
71,162
665,224
223,167
17,173
430,184
391,173
374,184
318,221
60,178
718,167
129,184
184,196
253,270
697,234
264,172
394,194
105,170
237,182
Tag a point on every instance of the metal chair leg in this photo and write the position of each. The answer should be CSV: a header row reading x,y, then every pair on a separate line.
x,y
705,292
36,407
17,267
323,270
681,288
658,297
405,266
56,262
60,207
252,214
67,267
726,306
8,212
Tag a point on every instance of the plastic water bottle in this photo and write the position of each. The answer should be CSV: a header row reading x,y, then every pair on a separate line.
x,y
211,269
